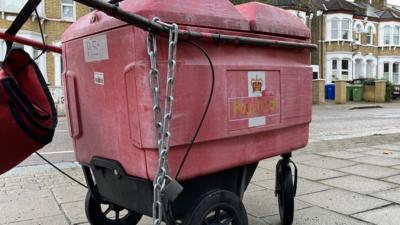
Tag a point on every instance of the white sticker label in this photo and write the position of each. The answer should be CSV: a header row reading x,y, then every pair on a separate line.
x,y
257,121
256,83
95,48
99,78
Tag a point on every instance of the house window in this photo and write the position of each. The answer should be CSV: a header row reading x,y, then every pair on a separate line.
x,y
396,35
335,29
334,70
387,32
14,5
370,68
370,35
386,71
358,33
345,69
67,9
396,73
345,29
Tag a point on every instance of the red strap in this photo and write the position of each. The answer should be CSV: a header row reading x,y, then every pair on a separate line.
x,y
2,74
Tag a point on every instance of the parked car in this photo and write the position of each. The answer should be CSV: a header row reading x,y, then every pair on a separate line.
x,y
396,91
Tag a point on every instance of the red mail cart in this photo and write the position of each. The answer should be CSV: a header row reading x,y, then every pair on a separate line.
x,y
240,83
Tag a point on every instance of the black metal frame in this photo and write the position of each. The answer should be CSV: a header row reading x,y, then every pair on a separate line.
x,y
108,182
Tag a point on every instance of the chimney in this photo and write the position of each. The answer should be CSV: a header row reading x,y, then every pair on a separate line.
x,y
379,4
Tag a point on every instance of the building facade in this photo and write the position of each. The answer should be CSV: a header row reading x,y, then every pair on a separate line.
x,y
54,16
356,39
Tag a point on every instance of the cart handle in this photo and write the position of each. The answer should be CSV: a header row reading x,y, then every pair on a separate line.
x,y
145,24
30,42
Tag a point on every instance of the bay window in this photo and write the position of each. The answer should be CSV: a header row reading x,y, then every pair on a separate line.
x,y
346,29
396,35
370,35
387,31
358,33
335,29
15,6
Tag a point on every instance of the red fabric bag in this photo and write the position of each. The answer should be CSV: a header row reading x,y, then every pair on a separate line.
x,y
27,113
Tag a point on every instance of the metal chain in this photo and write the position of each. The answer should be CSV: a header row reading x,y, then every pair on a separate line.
x,y
162,120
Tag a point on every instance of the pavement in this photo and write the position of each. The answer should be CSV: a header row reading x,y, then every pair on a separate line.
x,y
348,177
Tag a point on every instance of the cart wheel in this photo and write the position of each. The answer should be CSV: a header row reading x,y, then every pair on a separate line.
x,y
286,195
99,213
217,207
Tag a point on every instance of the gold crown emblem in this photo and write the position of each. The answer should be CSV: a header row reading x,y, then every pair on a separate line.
x,y
257,83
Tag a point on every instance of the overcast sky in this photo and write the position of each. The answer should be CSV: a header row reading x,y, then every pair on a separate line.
x,y
394,2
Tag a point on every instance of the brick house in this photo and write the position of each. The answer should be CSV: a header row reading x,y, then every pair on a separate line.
x,y
55,16
356,39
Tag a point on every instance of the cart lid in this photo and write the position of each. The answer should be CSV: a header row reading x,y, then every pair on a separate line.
x,y
220,14
272,20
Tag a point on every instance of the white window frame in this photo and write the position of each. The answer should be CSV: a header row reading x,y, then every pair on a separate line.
x,y
345,70
396,35
335,70
73,5
345,30
358,30
370,35
387,35
396,74
3,7
336,29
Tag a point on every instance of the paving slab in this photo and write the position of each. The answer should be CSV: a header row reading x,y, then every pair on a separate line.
x,y
262,174
28,206
254,187
396,167
385,153
360,149
69,194
392,195
269,164
359,184
315,173
378,160
388,147
341,201
389,215
304,157
394,179
303,186
341,154
75,212
52,220
264,203
317,216
256,221
370,171
329,163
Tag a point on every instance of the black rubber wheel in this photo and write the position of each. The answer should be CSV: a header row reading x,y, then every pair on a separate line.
x,y
217,207
99,213
286,195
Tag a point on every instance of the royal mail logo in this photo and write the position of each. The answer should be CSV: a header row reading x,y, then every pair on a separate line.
x,y
256,83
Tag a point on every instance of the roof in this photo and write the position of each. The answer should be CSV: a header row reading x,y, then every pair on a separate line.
x,y
389,14
357,8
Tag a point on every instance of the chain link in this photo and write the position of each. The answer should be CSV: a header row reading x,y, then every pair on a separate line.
x,y
162,120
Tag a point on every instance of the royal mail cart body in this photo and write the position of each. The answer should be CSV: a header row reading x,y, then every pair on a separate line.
x,y
260,107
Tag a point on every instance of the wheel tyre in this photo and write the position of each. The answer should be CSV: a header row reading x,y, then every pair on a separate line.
x,y
286,195
217,207
97,216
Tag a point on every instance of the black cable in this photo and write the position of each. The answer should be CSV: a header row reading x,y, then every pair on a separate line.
x,y
22,68
189,147
59,170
